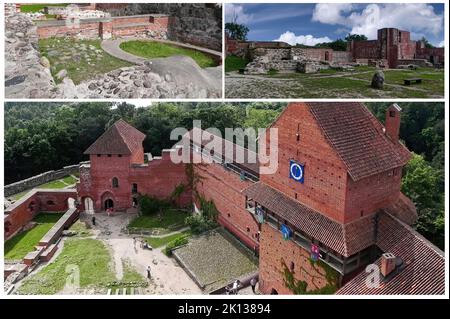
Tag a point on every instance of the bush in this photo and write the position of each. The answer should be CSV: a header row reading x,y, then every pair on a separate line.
x,y
174,244
272,72
199,224
150,205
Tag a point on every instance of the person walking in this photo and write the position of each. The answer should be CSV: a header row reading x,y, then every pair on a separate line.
x,y
149,273
253,284
93,220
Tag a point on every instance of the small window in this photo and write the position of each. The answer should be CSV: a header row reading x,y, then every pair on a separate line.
x,y
134,188
295,195
115,182
99,155
292,266
392,113
248,229
229,215
298,137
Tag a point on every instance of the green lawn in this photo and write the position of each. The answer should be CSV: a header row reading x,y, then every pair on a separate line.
x,y
157,242
171,219
17,247
82,59
96,269
152,49
56,184
234,63
92,258
69,180
38,7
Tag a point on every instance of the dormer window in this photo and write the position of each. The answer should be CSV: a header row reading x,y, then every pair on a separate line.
x,y
115,182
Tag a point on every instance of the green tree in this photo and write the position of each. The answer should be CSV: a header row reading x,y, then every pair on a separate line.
x,y
355,37
236,31
427,43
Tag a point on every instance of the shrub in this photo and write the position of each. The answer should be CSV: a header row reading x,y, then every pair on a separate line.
x,y
174,244
199,224
272,72
150,205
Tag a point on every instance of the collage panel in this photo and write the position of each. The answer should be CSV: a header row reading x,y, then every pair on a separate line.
x,y
224,150
113,51
334,50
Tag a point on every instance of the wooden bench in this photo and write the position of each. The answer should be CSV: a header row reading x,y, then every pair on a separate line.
x,y
412,80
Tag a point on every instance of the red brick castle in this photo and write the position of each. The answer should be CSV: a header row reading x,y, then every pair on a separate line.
x,y
331,218
321,230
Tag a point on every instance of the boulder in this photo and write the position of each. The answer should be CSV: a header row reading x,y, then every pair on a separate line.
x,y
45,62
377,80
61,74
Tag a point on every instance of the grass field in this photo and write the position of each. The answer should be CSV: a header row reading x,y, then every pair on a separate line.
x,y
152,49
17,247
336,84
82,59
39,6
170,220
56,184
90,256
157,242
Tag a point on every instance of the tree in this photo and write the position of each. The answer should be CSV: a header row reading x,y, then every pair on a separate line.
x,y
355,37
337,45
426,43
236,31
421,183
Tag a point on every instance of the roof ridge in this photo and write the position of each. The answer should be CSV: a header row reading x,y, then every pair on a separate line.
x,y
120,132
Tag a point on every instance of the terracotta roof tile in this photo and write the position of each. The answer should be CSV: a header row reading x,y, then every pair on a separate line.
x,y
358,138
120,138
424,264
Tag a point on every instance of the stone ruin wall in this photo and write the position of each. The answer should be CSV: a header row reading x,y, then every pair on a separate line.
x,y
40,179
154,26
195,23
24,74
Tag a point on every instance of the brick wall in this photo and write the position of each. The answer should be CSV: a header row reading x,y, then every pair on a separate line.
x,y
105,28
24,210
157,178
273,251
224,188
325,175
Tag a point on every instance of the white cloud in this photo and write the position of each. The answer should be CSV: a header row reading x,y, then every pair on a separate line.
x,y
235,13
293,39
331,13
414,17
441,44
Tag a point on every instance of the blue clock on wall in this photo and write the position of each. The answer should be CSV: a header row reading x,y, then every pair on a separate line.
x,y
296,171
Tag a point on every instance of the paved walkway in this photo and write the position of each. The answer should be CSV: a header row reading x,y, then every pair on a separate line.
x,y
112,47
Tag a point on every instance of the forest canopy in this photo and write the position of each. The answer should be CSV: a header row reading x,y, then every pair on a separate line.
x,y
46,136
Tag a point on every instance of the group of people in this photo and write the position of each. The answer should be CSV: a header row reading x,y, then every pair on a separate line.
x,y
233,289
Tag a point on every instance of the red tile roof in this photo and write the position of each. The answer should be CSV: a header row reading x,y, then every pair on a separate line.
x,y
344,239
358,138
248,162
424,263
120,138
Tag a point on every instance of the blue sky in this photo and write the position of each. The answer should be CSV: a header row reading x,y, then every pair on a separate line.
x,y
315,23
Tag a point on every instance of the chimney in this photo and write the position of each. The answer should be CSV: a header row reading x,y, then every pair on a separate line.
x,y
388,263
392,124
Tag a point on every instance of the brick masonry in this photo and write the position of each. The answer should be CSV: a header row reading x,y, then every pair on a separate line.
x,y
25,209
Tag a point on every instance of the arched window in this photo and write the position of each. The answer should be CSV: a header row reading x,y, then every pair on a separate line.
x,y
115,182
